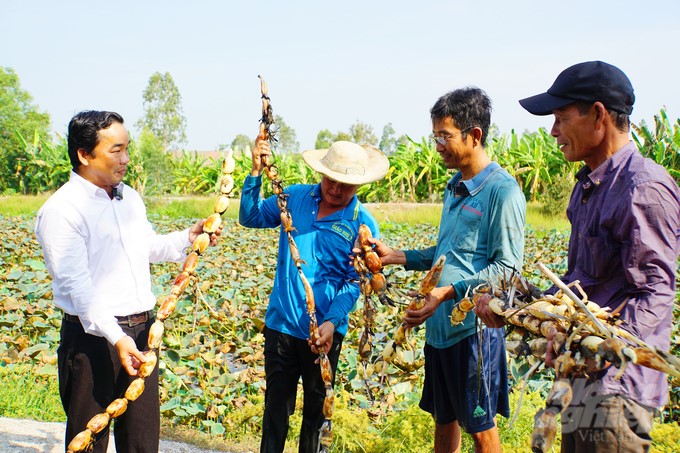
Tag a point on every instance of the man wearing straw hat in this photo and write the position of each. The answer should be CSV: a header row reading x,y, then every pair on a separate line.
x,y
326,218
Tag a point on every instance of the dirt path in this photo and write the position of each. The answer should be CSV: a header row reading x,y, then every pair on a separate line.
x,y
29,436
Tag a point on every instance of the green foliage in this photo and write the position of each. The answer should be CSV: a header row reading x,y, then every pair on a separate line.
x,y
45,165
188,207
324,139
416,174
388,142
157,164
163,111
193,174
359,132
242,143
286,139
538,220
363,134
24,205
533,159
19,118
26,394
292,170
556,195
661,144
345,136
30,163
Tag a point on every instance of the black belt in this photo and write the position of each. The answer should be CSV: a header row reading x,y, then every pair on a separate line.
x,y
130,320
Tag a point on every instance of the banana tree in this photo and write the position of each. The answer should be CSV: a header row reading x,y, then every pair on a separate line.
x,y
662,144
534,159
43,167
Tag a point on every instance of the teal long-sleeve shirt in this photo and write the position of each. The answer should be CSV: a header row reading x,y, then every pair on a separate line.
x,y
482,235
324,244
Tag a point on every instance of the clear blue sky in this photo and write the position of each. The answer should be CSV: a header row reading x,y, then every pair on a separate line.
x,y
329,64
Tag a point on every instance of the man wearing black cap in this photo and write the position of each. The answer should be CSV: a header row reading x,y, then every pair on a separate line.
x,y
625,221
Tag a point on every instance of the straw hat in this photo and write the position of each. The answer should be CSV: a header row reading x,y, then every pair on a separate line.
x,y
348,163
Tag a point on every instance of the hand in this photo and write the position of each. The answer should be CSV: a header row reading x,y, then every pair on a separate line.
x,y
260,149
550,354
197,228
438,295
387,254
129,355
484,313
325,341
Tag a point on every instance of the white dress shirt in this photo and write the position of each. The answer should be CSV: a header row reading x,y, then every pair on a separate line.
x,y
98,251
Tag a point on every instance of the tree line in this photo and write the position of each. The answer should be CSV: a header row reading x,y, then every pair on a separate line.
x,y
31,162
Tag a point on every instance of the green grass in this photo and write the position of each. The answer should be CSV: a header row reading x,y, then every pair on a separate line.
x,y
14,205
430,213
191,207
408,213
25,395
539,221
195,207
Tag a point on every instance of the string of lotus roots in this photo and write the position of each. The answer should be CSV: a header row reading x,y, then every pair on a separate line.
x,y
372,281
586,338
84,439
272,172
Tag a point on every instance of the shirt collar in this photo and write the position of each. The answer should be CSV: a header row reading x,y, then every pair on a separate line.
x,y
472,186
92,190
595,177
349,212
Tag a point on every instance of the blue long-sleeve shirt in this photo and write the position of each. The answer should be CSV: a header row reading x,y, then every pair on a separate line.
x,y
482,235
324,244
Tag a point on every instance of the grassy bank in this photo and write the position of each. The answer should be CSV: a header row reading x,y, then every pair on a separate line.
x,y
23,395
194,207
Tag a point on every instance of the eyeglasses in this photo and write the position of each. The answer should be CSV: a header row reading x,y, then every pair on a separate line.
x,y
442,140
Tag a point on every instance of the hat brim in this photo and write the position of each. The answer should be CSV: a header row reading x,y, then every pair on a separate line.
x,y
376,167
544,103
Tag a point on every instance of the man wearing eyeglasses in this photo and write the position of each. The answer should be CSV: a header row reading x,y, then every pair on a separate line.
x,y
482,235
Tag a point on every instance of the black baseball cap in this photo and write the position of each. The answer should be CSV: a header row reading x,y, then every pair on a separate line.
x,y
591,81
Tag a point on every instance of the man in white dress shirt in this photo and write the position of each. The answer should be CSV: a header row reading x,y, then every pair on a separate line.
x,y
98,244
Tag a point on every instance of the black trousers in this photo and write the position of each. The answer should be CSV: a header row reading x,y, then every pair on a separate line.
x,y
91,376
286,358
